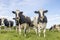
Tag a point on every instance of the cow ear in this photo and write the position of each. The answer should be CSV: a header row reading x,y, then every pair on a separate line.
x,y
13,12
21,12
45,11
36,11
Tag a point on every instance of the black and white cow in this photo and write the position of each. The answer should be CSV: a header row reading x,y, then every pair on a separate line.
x,y
55,27
40,21
8,23
21,20
0,23
4,22
52,27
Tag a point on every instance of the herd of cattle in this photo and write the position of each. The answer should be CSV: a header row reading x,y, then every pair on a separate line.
x,y
39,22
6,22
55,27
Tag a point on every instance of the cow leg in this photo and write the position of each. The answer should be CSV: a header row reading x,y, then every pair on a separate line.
x,y
19,29
10,28
28,29
16,28
0,27
5,27
36,29
39,30
44,32
44,29
25,25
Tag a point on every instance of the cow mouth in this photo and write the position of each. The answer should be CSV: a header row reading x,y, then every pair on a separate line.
x,y
42,17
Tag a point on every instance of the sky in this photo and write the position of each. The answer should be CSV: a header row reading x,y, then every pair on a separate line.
x,y
29,6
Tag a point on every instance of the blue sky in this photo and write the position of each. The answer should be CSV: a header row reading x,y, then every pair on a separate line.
x,y
29,6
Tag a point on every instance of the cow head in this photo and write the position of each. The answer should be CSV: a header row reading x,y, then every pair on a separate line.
x,y
17,13
41,12
2,21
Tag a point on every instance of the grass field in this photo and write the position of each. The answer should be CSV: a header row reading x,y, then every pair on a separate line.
x,y
12,35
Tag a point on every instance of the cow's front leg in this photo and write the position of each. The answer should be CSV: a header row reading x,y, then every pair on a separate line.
x,y
44,32
19,29
35,29
16,28
39,30
44,29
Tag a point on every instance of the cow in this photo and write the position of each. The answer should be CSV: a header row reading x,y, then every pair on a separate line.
x,y
21,20
0,23
7,24
55,27
40,21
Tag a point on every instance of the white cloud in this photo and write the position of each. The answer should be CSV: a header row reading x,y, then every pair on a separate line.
x,y
53,17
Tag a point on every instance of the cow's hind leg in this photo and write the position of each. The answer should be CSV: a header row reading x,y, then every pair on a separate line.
x,y
0,27
25,25
5,27
28,29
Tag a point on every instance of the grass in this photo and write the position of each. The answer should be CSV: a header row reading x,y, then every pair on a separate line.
x,y
12,35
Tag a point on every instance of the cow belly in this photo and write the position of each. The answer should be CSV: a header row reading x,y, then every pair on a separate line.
x,y
23,25
35,24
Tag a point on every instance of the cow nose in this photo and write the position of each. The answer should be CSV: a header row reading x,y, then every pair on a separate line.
x,y
42,17
17,17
